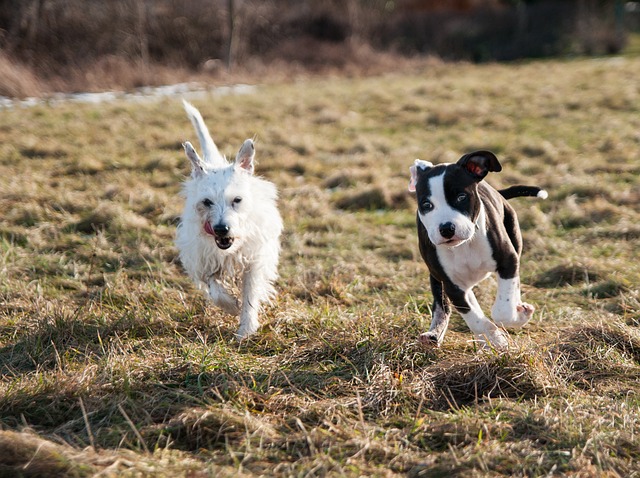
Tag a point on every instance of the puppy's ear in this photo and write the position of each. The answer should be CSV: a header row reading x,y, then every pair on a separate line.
x,y
197,165
244,158
479,163
417,165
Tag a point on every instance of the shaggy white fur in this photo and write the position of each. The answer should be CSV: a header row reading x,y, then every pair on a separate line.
x,y
230,228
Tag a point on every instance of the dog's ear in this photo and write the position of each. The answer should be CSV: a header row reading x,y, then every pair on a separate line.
x,y
197,165
418,164
244,158
480,163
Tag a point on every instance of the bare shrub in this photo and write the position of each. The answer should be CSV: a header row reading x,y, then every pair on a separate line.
x,y
61,40
16,80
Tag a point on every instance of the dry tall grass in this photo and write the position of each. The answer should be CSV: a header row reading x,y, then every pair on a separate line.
x,y
16,80
111,363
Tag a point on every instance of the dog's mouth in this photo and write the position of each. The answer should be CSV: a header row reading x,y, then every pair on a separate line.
x,y
453,242
223,242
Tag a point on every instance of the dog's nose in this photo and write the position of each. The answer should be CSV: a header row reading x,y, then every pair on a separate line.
x,y
221,230
447,230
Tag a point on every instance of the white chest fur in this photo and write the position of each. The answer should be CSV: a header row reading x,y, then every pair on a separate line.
x,y
471,261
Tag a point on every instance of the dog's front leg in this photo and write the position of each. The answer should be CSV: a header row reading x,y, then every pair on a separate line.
x,y
508,310
254,292
483,329
222,298
440,313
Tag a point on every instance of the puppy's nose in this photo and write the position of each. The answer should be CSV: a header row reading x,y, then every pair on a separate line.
x,y
447,230
221,230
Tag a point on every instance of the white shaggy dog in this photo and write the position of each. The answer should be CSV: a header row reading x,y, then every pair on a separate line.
x,y
230,228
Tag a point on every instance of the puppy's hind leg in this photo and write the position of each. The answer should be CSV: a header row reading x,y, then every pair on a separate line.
x,y
441,311
222,298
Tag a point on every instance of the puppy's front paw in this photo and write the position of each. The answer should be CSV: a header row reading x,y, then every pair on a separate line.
x,y
496,339
429,339
513,318
525,312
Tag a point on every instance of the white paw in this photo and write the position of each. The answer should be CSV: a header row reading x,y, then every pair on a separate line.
x,y
248,327
513,319
429,339
228,304
244,333
525,312
496,339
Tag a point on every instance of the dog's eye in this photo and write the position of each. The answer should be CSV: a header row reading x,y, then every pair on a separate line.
x,y
237,200
207,202
426,206
461,197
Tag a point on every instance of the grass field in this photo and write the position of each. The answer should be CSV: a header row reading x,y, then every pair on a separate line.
x,y
111,363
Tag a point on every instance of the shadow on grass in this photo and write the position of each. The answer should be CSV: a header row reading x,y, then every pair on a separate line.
x,y
231,398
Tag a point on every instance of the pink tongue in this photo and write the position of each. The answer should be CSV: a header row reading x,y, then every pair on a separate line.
x,y
207,228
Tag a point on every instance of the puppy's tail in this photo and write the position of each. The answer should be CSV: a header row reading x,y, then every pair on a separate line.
x,y
519,191
209,149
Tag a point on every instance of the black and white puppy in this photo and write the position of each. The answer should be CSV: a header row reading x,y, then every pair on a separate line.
x,y
467,231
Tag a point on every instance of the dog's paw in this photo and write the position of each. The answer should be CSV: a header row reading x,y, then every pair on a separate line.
x,y
516,318
231,307
249,324
228,304
242,336
429,339
525,312
244,333
223,299
496,339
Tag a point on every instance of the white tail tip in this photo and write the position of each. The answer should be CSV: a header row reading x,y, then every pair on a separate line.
x,y
542,194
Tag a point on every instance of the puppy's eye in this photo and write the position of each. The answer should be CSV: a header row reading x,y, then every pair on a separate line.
x,y
426,206
237,200
461,197
207,202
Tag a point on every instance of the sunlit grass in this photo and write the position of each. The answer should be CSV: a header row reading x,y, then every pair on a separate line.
x,y
112,360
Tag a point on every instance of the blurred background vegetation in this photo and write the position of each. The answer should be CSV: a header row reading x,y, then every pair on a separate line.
x,y
76,45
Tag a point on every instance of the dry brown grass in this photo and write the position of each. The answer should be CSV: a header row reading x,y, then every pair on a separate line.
x,y
110,361
17,80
